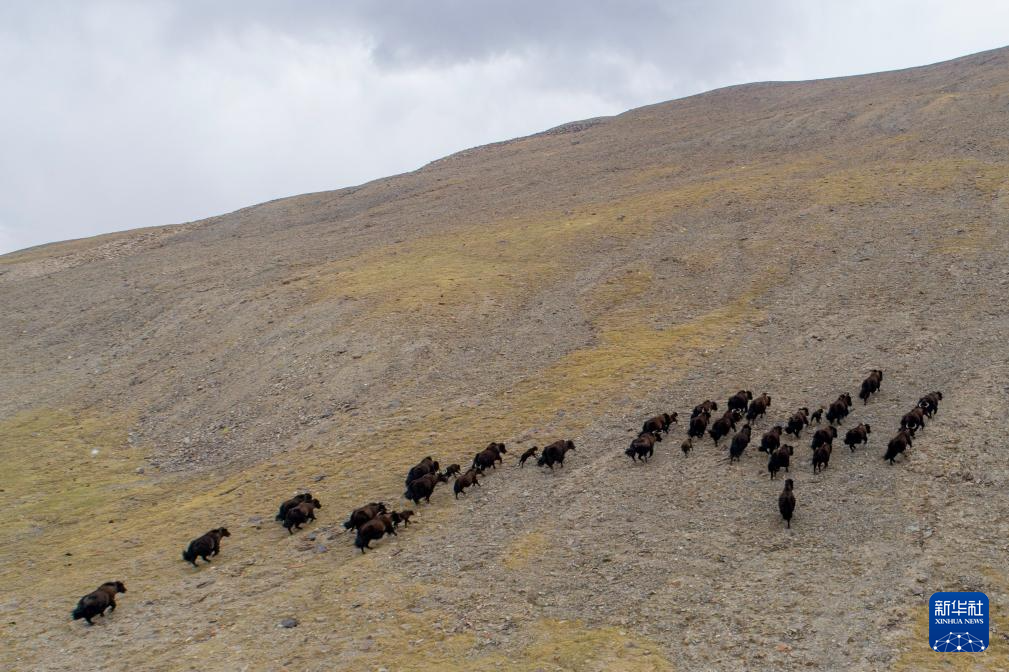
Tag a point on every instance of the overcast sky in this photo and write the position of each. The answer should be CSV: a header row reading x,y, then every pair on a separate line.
x,y
117,115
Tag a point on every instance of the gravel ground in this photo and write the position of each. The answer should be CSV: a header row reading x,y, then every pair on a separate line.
x,y
783,238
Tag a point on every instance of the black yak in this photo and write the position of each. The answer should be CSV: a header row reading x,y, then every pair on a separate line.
x,y
423,487
208,544
898,445
838,410
643,446
740,400
770,441
291,503
786,502
466,480
797,422
721,427
706,406
95,603
660,422
823,436
554,453
697,425
870,385
758,407
401,517
857,435
913,420
302,513
362,515
526,455
779,459
930,403
423,468
489,456
821,457
373,530
739,443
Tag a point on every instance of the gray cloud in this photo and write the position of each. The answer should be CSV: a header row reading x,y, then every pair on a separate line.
x,y
124,114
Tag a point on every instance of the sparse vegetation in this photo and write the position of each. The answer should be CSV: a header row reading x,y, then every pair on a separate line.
x,y
779,237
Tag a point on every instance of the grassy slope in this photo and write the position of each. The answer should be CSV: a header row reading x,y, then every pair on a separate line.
x,y
75,519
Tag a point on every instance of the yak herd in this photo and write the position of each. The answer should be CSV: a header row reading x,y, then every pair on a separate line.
x,y
779,455
370,522
374,520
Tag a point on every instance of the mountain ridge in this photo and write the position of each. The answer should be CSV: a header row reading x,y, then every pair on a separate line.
x,y
976,59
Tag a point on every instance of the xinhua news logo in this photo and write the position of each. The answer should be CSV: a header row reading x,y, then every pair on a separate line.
x,y
958,622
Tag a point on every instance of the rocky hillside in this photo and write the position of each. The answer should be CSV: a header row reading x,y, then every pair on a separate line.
x,y
780,237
